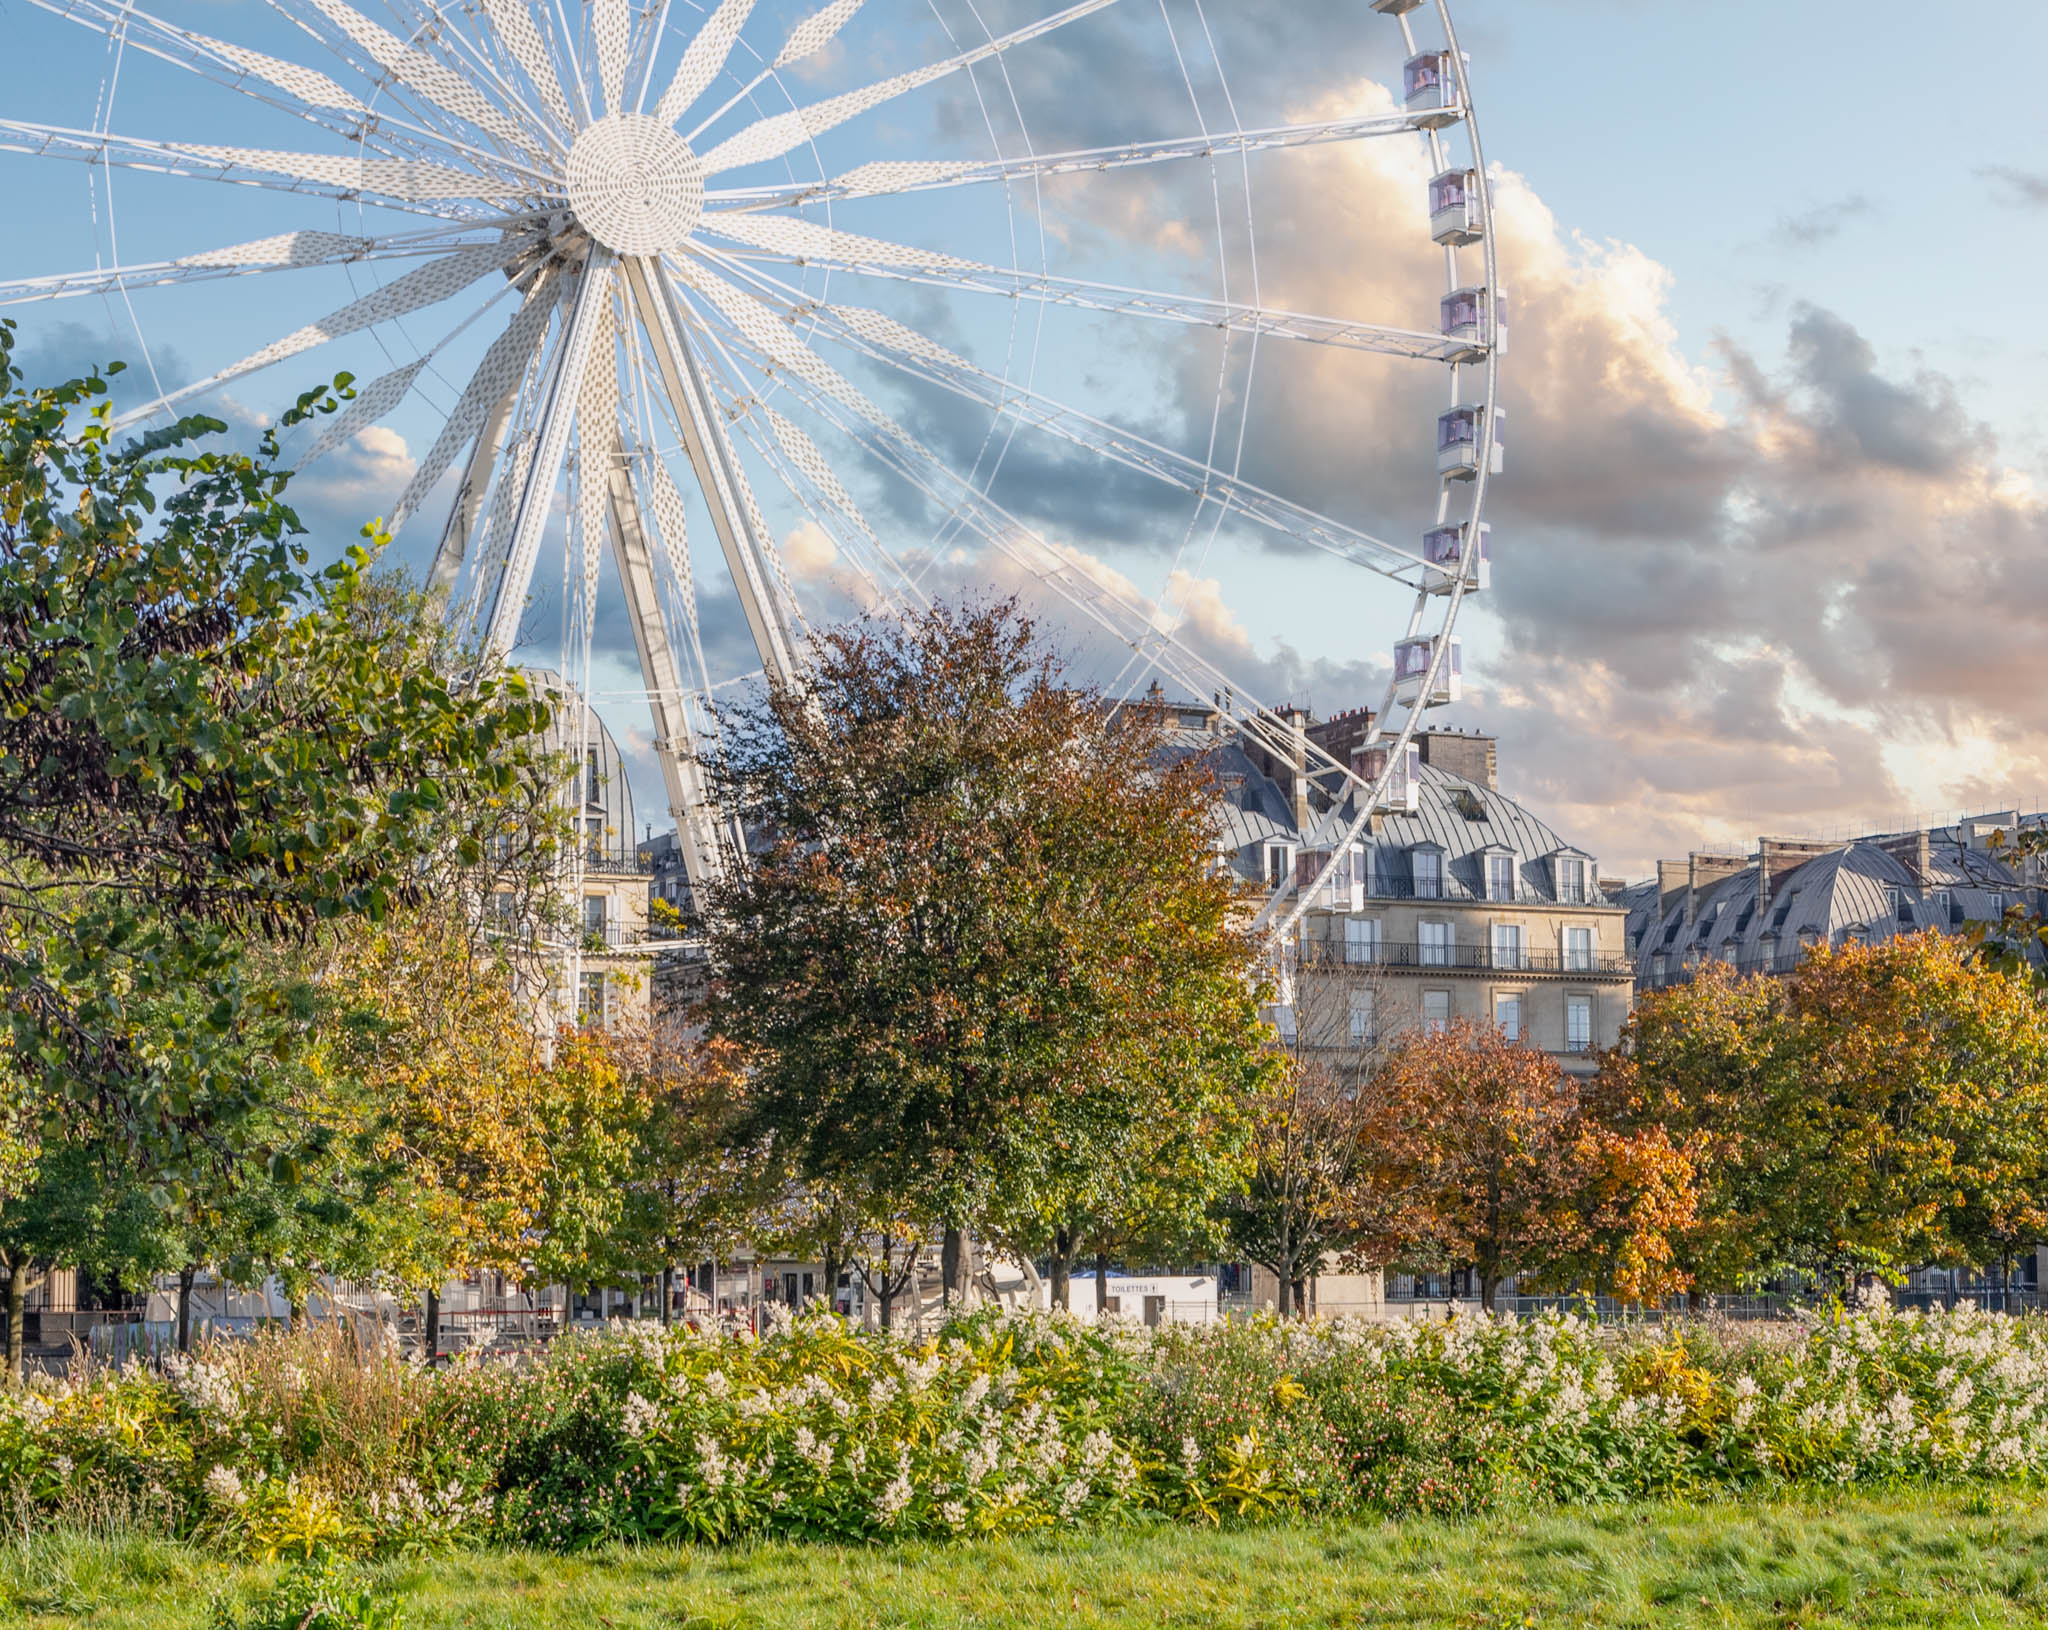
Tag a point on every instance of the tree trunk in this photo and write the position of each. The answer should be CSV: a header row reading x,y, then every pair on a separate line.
x,y
1283,1270
668,1295
430,1331
1062,1268
1101,1283
17,1315
186,1275
1300,1296
888,1293
1487,1286
951,1250
831,1274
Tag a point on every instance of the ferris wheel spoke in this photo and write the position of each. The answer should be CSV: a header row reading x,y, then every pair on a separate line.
x,y
1043,288
815,32
402,184
288,251
890,177
883,339
424,286
702,59
804,242
371,403
504,364
782,132
514,25
430,78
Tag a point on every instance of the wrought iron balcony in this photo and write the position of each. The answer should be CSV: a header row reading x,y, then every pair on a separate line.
x,y
1330,955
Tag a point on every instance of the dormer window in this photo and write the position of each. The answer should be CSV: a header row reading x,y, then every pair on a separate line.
x,y
1500,876
1426,867
1279,864
1569,872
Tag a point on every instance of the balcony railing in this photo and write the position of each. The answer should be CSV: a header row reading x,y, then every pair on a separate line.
x,y
604,858
1416,958
1457,893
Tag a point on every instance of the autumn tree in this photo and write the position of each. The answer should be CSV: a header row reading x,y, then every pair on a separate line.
x,y
1922,1116
982,930
1476,1127
1713,1066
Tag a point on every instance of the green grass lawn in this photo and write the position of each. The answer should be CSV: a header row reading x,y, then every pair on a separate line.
x,y
1906,1559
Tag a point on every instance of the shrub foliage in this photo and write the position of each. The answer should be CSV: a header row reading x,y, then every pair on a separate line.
x,y
287,1445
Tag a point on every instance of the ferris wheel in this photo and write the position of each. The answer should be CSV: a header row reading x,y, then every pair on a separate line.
x,y
642,271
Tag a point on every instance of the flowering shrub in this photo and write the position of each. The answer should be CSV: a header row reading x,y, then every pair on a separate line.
x,y
286,1446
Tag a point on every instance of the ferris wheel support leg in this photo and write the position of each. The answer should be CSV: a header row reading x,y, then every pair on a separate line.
x,y
469,497
689,801
589,314
718,471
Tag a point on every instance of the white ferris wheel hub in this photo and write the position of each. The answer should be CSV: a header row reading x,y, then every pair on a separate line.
x,y
634,184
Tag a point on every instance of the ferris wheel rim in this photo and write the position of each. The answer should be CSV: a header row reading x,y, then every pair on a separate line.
x,y
398,174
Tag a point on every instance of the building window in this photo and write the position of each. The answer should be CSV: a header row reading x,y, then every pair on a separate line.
x,y
1500,877
590,1001
1364,1031
593,915
1901,904
1571,880
1436,1011
1361,939
1578,1024
1434,942
1427,868
1507,1014
1578,950
1279,865
1657,965
593,783
1507,946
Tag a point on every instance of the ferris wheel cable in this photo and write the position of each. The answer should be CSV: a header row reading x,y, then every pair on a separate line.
x,y
1173,602
779,133
803,242
887,178
908,353
998,437
440,279
897,450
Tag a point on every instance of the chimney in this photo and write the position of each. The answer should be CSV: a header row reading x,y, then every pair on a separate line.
x,y
1777,856
1295,775
1674,881
1469,755
1912,850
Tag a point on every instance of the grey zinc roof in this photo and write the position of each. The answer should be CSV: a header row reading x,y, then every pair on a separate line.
x,y
1861,889
615,791
1256,812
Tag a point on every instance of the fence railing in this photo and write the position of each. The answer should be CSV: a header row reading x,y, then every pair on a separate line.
x,y
1404,957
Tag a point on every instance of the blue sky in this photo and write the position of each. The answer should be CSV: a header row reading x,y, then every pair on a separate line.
x,y
1768,553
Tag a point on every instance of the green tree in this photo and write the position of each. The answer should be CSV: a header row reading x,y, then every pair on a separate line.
x,y
984,911
196,745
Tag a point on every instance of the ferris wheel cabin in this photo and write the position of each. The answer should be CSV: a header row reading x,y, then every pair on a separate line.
x,y
1444,546
1411,670
1403,792
1395,8
1429,85
1454,207
1458,435
1472,320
